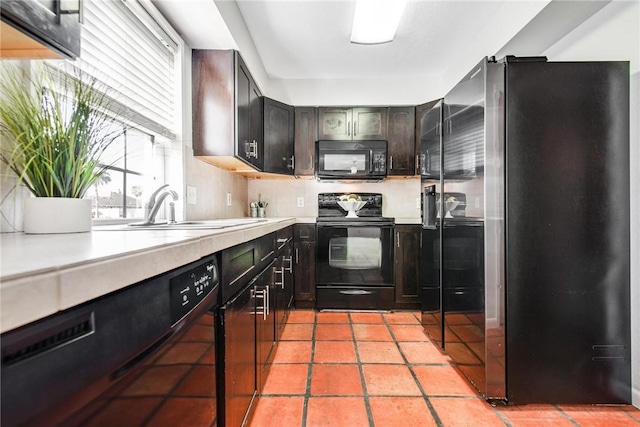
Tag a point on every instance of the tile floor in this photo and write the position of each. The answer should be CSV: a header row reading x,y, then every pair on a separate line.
x,y
370,369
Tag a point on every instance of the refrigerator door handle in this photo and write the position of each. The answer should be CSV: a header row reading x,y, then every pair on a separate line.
x,y
429,208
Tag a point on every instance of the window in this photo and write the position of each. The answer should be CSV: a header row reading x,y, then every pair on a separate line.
x,y
125,48
121,190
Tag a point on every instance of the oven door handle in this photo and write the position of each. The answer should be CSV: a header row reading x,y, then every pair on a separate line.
x,y
355,292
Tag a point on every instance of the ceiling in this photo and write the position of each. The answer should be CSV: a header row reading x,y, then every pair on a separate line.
x,y
309,39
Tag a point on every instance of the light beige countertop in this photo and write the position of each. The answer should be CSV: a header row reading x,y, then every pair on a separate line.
x,y
43,274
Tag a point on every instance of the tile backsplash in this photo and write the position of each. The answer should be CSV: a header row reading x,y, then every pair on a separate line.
x,y
399,195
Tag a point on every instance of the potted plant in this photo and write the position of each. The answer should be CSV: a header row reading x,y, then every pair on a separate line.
x,y
54,130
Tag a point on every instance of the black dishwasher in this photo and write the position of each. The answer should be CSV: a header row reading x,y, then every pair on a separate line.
x,y
144,355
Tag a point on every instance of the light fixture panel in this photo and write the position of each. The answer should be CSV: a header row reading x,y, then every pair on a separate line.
x,y
376,21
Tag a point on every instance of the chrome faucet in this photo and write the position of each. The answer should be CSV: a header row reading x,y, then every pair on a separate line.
x,y
152,206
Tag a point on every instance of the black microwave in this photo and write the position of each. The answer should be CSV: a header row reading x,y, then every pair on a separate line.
x,y
363,160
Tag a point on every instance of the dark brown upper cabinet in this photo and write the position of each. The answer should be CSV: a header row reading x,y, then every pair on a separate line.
x,y
227,108
427,138
37,29
306,135
278,137
401,136
357,123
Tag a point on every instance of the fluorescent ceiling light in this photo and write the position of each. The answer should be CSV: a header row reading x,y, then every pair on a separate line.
x,y
376,21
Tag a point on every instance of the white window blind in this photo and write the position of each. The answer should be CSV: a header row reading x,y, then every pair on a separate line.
x,y
126,49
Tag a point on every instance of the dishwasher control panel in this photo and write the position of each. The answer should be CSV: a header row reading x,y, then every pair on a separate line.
x,y
192,286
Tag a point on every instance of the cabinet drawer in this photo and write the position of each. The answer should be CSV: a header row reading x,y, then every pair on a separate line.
x,y
265,250
239,264
284,237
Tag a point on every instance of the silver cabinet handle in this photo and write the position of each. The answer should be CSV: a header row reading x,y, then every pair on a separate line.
x,y
281,282
290,261
417,164
355,127
265,312
390,162
251,149
311,165
349,127
297,256
264,296
293,163
266,256
397,239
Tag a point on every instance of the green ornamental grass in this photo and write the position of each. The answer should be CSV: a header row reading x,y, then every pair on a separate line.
x,y
54,129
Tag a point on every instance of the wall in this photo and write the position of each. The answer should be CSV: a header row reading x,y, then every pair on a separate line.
x,y
409,91
614,34
399,196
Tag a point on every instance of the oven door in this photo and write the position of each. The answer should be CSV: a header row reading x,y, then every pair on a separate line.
x,y
354,266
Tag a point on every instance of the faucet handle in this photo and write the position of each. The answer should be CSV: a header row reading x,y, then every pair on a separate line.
x,y
152,198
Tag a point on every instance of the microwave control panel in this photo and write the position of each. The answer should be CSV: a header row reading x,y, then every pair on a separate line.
x,y
379,161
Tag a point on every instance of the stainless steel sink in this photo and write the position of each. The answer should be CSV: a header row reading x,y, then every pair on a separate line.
x,y
185,225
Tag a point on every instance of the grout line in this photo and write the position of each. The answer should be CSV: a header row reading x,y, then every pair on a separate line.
x,y
367,404
567,416
630,415
432,410
307,394
499,413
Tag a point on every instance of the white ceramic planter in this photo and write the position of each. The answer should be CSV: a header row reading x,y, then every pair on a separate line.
x,y
50,215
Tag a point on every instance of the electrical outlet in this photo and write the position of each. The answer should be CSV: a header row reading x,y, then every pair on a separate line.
x,y
417,202
191,195
228,199
301,202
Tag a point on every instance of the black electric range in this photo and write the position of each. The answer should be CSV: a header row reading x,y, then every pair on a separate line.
x,y
354,255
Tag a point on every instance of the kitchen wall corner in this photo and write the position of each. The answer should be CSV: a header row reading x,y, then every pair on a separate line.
x,y
212,185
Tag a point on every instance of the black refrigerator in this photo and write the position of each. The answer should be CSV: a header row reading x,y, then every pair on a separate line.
x,y
526,229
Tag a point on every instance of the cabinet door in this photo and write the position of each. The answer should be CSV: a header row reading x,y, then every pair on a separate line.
x,y
283,281
334,123
407,271
239,357
304,259
265,314
400,134
369,123
244,143
255,123
428,130
306,135
250,144
278,137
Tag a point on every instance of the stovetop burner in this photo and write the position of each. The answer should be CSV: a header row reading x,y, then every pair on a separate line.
x,y
330,211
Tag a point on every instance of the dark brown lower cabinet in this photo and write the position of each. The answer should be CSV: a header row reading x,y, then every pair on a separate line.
x,y
305,265
407,266
239,343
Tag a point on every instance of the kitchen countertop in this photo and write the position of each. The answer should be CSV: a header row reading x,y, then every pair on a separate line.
x,y
41,274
